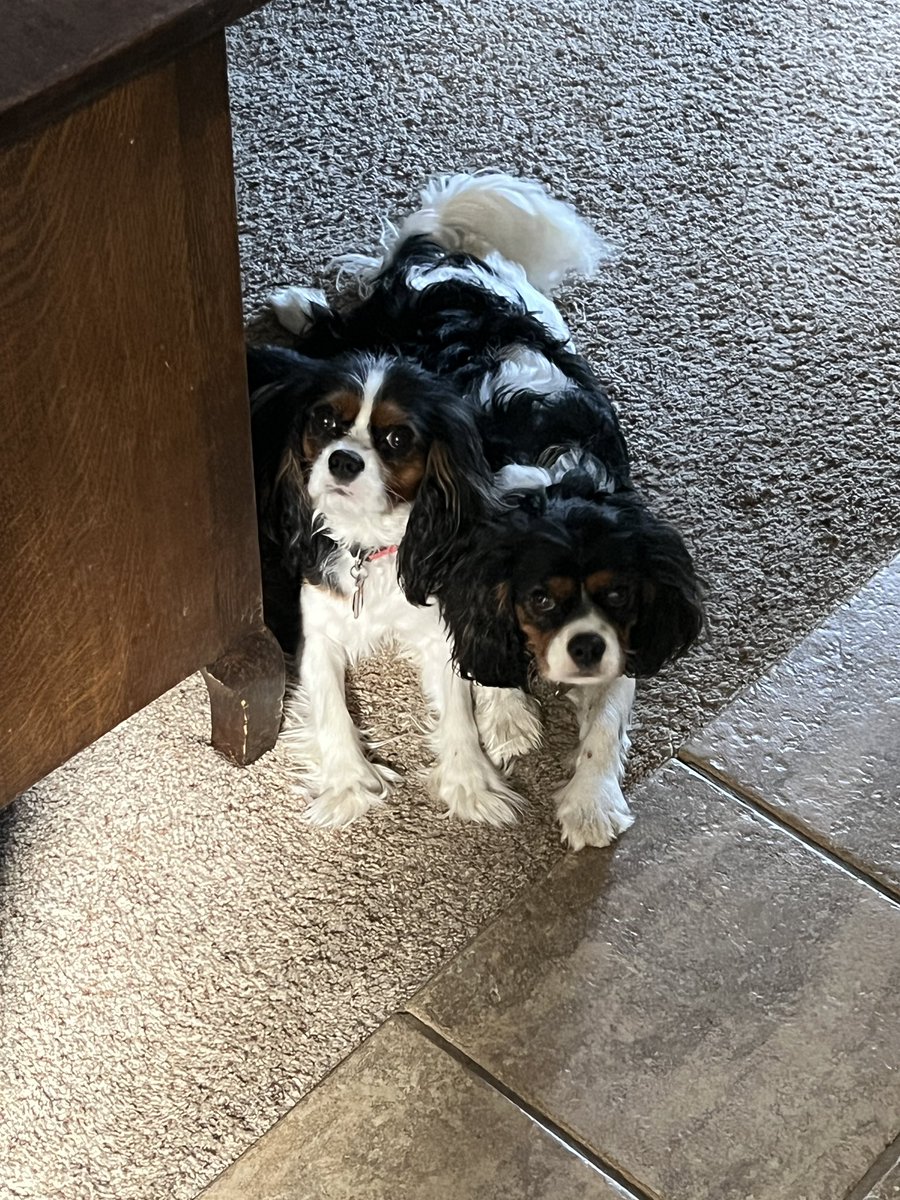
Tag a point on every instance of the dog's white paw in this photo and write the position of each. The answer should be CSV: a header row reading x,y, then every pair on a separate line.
x,y
509,723
295,307
339,801
591,811
474,791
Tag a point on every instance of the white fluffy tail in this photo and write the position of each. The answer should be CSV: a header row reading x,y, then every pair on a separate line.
x,y
492,212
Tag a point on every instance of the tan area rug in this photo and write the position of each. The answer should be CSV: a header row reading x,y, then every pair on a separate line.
x,y
181,958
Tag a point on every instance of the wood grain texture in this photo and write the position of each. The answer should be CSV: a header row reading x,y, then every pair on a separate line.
x,y
56,55
127,530
246,688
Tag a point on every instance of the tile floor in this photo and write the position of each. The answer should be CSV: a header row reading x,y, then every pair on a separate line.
x,y
817,741
709,1011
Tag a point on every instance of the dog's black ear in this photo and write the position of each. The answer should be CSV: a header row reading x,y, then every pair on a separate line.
x,y
455,495
477,610
272,364
488,644
671,616
283,384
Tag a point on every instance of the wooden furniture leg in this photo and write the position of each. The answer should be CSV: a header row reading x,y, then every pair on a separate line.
x,y
246,686
128,545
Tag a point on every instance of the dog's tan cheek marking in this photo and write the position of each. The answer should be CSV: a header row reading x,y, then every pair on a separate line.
x,y
538,639
405,478
624,632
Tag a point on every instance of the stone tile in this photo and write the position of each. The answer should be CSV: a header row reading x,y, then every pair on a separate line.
x,y
818,739
711,1006
888,1188
402,1120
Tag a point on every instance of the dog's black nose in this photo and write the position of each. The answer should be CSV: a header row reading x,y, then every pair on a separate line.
x,y
345,464
586,650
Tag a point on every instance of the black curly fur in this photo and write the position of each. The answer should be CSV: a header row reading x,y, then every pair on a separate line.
x,y
587,516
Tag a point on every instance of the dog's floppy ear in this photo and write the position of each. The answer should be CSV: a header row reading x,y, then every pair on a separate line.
x,y
670,617
283,384
488,644
271,364
477,610
454,496
286,385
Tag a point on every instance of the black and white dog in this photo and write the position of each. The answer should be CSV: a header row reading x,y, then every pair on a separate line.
x,y
345,452
551,564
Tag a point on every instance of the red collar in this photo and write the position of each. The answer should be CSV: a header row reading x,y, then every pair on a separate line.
x,y
382,553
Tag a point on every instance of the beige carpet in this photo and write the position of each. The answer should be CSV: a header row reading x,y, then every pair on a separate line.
x,y
181,958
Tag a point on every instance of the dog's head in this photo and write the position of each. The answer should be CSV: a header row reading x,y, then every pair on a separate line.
x,y
576,590
364,448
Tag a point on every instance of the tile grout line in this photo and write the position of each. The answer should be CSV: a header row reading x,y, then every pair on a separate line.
x,y
886,1160
757,805
635,1189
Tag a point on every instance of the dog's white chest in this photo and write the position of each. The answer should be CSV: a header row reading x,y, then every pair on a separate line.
x,y
369,610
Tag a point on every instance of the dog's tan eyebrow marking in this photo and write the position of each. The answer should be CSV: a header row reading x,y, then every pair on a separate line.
x,y
387,413
599,580
561,587
345,404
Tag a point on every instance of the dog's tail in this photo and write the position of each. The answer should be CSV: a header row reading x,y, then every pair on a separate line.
x,y
492,212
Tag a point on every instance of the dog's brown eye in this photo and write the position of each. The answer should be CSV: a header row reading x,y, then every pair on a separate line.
x,y
399,439
324,420
617,598
541,601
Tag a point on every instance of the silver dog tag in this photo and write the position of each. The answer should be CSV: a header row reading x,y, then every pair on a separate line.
x,y
358,574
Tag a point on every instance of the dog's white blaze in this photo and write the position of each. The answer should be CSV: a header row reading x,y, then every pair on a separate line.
x,y
561,667
371,384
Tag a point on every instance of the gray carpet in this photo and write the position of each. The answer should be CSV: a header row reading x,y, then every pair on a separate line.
x,y
181,958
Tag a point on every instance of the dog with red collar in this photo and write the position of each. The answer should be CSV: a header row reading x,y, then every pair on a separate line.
x,y
345,451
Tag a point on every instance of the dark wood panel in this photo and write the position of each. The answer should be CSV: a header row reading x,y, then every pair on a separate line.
x,y
58,54
127,536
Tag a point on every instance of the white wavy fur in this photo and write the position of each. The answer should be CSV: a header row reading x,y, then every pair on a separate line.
x,y
490,212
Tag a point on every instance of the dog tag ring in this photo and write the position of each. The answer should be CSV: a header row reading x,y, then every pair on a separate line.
x,y
358,574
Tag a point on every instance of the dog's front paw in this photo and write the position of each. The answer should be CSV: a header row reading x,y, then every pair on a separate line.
x,y
592,812
509,723
474,791
341,801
